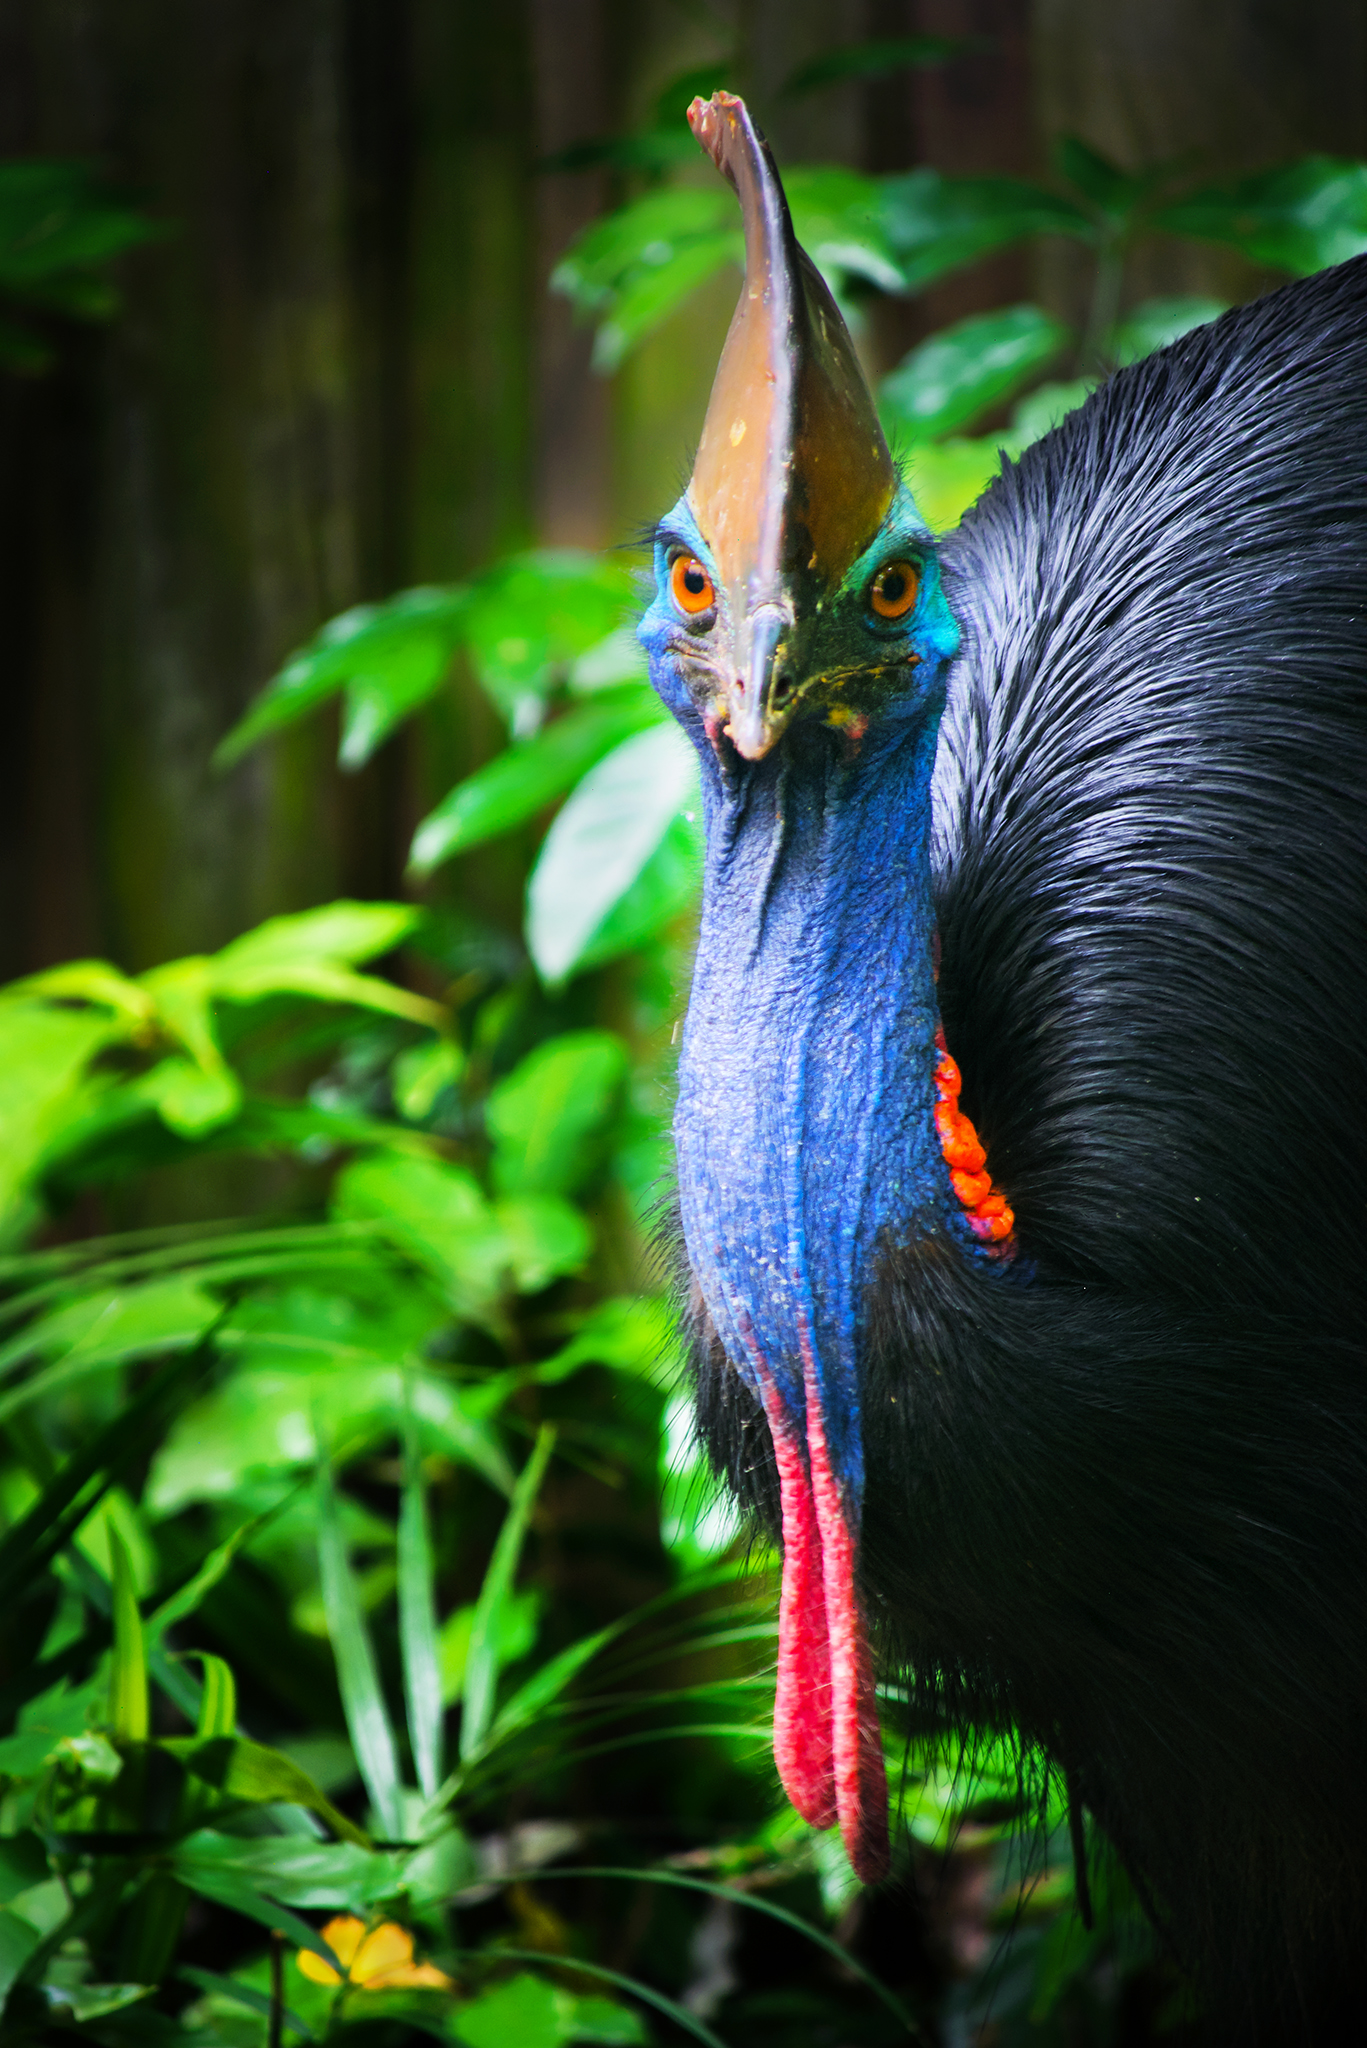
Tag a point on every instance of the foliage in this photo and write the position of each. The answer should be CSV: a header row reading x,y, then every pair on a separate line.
x,y
629,271
59,229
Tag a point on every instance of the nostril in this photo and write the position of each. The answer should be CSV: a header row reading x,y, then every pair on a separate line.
x,y
781,692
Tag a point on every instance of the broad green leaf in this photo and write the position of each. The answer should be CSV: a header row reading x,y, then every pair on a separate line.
x,y
1157,322
668,884
936,224
23,1864
517,784
223,1879
482,1662
839,219
878,57
369,644
89,981
249,1771
128,1699
378,699
19,1940
358,1677
680,2015
417,1618
601,840
338,934
646,236
531,2012
545,1115
650,293
546,1238
294,1869
146,1320
189,1099
967,369
439,1214
44,1052
56,218
421,1072
532,615
1300,217
1116,193
48,1724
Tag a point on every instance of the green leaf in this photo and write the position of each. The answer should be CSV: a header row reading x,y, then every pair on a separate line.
x,y
1113,192
839,217
631,268
341,934
395,653
1157,322
220,1878
254,1773
966,369
544,1116
358,1677
545,1686
532,615
878,57
421,1073
936,224
669,884
632,1333
44,1053
294,1869
439,1214
19,1940
679,2014
236,1993
1300,217
517,784
128,1698
55,218
218,1704
546,1238
418,1620
378,699
531,2012
481,1668
23,1864
600,842
518,1624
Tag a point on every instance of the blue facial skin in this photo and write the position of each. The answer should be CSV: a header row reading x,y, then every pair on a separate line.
x,y
804,1128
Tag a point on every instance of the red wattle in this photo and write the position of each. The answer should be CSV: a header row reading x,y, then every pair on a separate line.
x,y
861,1785
802,1703
826,1740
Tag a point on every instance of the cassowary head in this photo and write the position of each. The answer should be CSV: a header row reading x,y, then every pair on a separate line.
x,y
799,633
797,580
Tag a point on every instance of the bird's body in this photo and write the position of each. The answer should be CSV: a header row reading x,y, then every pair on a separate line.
x,y
1097,1470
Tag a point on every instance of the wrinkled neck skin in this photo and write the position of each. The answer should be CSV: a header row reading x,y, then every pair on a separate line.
x,y
805,1132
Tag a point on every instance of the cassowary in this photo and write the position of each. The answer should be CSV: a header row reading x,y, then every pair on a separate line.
x,y
1023,1090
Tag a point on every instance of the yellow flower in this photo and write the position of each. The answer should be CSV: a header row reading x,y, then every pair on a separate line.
x,y
378,1960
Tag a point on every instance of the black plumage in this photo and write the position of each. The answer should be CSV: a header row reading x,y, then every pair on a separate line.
x,y
1119,1500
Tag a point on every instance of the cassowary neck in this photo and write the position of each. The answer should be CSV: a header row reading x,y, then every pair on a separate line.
x,y
805,1129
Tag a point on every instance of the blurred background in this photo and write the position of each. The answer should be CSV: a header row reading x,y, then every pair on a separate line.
x,y
383,1665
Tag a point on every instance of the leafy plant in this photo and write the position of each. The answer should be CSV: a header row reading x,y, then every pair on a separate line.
x,y
59,229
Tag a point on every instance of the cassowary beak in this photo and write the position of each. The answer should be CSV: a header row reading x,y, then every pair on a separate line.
x,y
793,477
759,697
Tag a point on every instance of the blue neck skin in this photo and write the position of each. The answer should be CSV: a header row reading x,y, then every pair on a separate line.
x,y
804,1129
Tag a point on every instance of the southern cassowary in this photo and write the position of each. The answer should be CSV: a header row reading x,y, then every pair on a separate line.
x,y
1023,1091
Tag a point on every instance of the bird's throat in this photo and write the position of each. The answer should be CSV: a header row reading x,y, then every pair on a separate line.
x,y
807,1144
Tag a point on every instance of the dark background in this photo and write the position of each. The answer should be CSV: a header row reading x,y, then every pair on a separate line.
x,y
341,371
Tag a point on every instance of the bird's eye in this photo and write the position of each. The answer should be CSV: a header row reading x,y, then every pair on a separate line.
x,y
892,592
691,587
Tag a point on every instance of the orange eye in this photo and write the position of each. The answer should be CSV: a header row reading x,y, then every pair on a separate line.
x,y
892,592
690,586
